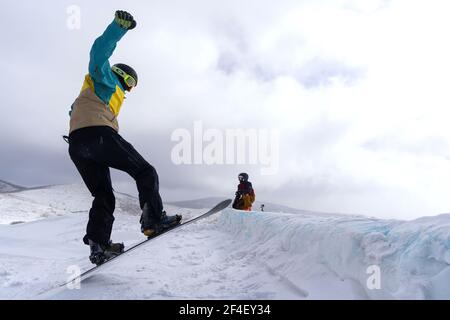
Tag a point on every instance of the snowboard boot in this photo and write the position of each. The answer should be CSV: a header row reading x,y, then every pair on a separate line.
x,y
102,253
151,225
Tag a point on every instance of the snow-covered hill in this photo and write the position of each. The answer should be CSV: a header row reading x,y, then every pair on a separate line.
x,y
268,207
39,203
9,187
232,255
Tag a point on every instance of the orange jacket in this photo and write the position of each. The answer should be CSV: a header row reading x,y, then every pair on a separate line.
x,y
245,197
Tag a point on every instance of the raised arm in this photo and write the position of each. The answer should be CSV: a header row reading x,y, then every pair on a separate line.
x,y
104,46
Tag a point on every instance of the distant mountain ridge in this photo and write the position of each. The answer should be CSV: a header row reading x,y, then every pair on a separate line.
x,y
9,187
268,206
202,203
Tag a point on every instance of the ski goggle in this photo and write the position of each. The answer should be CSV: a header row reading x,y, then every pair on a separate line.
x,y
129,80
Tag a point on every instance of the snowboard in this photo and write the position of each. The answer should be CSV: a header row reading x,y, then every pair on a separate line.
x,y
219,207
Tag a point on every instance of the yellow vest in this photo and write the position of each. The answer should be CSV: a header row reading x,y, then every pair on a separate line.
x,y
90,111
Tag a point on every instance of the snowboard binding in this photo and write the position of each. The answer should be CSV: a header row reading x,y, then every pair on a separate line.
x,y
151,227
100,254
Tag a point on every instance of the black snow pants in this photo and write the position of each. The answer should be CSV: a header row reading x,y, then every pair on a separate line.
x,y
94,150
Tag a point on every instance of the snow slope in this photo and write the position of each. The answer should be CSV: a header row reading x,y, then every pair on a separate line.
x,y
327,257
231,255
40,203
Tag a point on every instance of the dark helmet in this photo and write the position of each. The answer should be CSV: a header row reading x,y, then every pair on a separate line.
x,y
120,69
243,177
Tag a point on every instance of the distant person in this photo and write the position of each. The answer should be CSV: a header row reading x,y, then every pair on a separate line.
x,y
245,195
95,145
262,207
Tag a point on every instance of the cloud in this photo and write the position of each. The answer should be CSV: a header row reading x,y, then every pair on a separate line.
x,y
423,146
358,91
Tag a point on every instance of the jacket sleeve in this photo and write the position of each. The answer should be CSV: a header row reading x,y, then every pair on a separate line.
x,y
102,50
252,193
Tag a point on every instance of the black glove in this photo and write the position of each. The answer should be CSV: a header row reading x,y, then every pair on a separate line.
x,y
125,20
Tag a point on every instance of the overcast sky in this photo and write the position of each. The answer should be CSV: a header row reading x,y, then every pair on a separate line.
x,y
358,91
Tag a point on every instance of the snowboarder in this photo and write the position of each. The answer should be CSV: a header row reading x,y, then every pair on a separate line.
x,y
245,195
95,145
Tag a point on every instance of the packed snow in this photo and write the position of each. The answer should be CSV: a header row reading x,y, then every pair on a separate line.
x,y
230,255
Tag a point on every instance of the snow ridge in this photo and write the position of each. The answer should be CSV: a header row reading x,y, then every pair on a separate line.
x,y
9,187
306,250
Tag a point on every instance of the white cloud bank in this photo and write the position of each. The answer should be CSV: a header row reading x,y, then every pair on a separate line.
x,y
357,89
